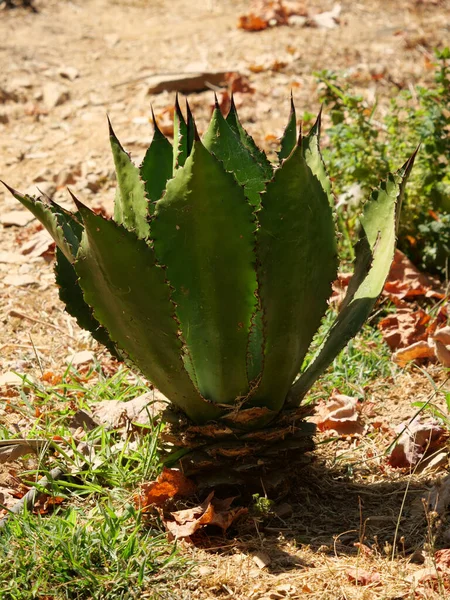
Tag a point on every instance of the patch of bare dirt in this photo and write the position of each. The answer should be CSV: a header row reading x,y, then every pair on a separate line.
x,y
71,63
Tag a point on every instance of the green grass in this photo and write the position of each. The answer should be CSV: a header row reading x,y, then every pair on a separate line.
x,y
96,543
365,360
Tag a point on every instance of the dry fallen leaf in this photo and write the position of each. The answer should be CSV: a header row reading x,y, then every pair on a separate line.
x,y
339,414
270,13
442,353
443,335
363,577
326,20
11,450
211,512
404,327
142,410
406,281
420,349
417,438
39,244
442,559
170,484
438,499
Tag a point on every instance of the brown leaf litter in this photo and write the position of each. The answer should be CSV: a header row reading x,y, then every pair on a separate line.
x,y
339,414
417,438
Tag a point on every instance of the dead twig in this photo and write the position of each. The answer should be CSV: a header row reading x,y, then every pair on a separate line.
x,y
19,315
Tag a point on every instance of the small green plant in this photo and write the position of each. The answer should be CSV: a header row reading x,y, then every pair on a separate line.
x,y
361,145
214,277
94,543
262,506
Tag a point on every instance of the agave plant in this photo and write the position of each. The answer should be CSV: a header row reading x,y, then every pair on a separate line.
x,y
213,278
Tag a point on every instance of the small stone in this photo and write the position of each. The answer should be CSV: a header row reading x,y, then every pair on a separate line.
x,y
417,557
18,218
10,378
69,73
19,280
4,119
80,358
284,510
11,258
54,95
261,559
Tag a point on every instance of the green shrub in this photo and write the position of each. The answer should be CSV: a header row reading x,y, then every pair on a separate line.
x,y
358,149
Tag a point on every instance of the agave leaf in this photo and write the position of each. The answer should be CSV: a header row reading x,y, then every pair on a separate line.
x,y
297,263
314,158
180,138
156,168
71,294
223,142
191,129
203,232
131,203
131,298
255,355
374,254
248,142
62,225
289,138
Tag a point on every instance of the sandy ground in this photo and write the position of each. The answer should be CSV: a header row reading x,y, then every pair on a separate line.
x,y
63,70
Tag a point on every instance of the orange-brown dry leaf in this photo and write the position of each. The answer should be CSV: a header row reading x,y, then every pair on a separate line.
x,y
363,577
252,22
265,13
406,281
164,120
238,83
339,414
405,327
211,512
170,484
340,288
417,350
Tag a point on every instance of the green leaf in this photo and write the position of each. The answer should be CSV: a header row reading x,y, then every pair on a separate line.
x,y
71,294
223,142
192,134
131,203
248,142
314,158
180,138
374,255
203,233
255,355
60,223
297,263
131,298
156,168
289,138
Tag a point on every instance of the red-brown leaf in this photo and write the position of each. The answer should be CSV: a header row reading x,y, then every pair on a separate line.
x,y
170,484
